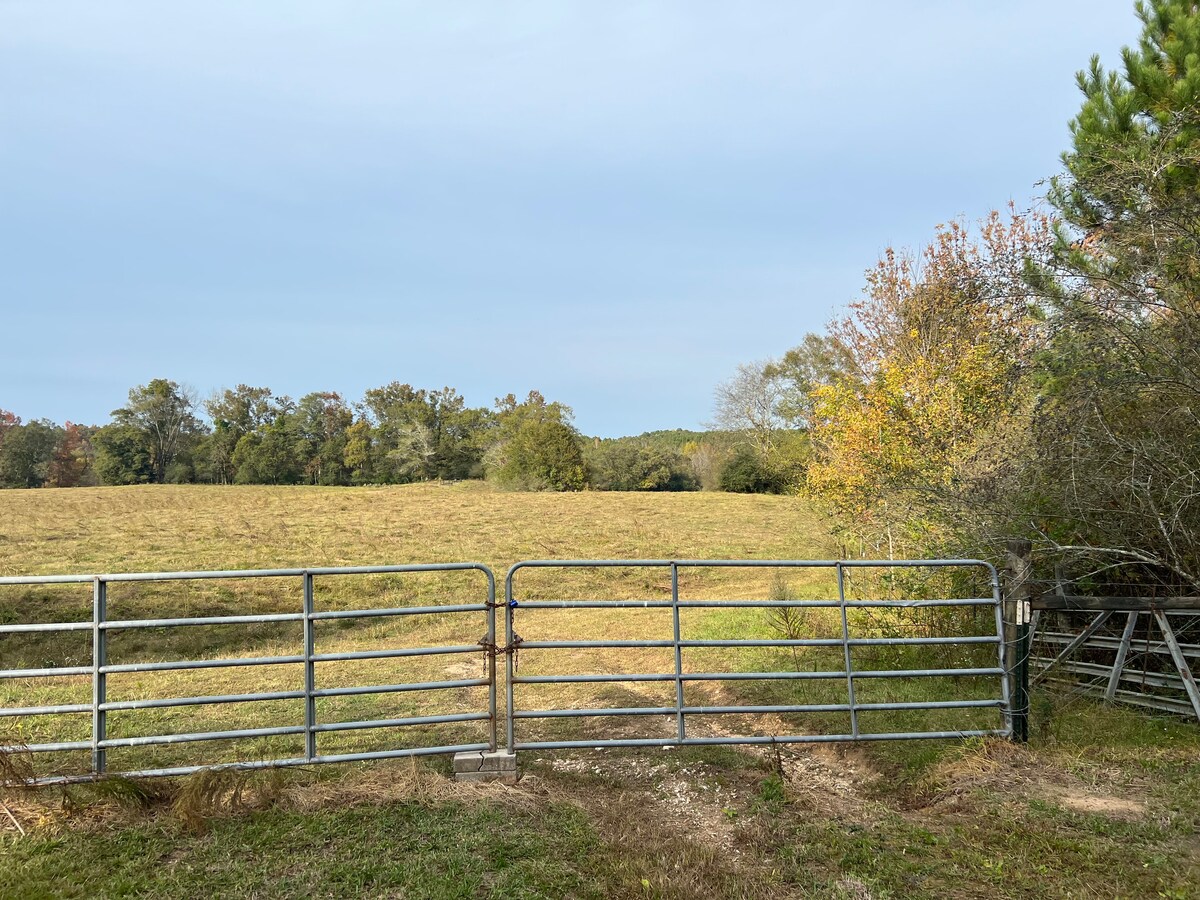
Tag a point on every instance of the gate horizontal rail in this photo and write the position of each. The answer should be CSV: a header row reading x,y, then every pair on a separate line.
x,y
99,670
681,710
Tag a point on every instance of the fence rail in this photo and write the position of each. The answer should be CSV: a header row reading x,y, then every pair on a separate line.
x,y
99,670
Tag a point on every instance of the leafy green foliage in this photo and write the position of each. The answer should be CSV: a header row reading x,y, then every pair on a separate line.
x,y
122,456
161,417
398,434
236,413
747,472
537,447
421,435
629,465
269,455
1117,439
26,453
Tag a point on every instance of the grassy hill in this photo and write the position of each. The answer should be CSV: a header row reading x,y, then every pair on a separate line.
x,y
1103,803
164,527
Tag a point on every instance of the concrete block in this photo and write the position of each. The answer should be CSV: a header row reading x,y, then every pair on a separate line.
x,y
480,765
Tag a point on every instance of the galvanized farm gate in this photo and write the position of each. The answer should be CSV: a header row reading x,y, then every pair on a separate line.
x,y
481,607
681,676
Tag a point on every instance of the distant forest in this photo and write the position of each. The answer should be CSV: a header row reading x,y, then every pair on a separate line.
x,y
396,434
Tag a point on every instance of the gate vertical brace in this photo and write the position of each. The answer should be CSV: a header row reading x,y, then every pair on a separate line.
x,y
491,643
310,673
99,678
1114,679
1181,664
509,641
678,653
841,583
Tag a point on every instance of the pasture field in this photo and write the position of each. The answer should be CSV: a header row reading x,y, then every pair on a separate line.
x,y
1103,803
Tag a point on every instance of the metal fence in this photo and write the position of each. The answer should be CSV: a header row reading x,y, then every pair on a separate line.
x,y
99,669
1144,658
680,710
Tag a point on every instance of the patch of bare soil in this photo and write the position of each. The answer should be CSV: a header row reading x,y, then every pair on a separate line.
x,y
689,798
705,802
834,782
678,824
1097,804
1016,774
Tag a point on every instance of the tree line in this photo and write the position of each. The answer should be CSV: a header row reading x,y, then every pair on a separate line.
x,y
395,434
1035,375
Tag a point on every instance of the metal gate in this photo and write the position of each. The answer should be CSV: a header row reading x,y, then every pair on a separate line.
x,y
304,664
968,679
682,675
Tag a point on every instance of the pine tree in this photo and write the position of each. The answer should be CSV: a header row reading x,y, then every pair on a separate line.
x,y
1118,445
1131,193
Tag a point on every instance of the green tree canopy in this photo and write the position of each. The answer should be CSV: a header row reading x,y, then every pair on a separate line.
x,y
122,455
1118,446
26,453
236,413
537,447
162,415
423,435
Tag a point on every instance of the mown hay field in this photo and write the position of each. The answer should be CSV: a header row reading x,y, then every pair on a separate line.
x,y
167,528
157,528
1103,803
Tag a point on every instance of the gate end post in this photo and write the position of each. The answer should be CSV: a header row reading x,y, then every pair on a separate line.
x,y
486,765
1019,572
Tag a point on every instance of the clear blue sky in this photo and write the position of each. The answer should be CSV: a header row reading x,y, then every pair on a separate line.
x,y
614,203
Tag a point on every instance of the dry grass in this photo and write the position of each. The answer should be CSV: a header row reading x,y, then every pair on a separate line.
x,y
177,528
200,527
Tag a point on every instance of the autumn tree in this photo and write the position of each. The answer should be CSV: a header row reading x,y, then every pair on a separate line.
x,y
71,463
7,421
358,454
921,433
818,360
